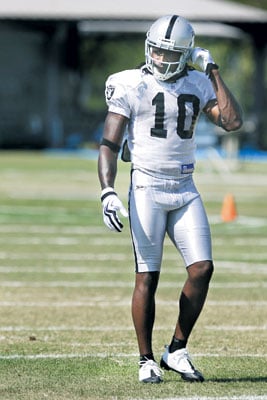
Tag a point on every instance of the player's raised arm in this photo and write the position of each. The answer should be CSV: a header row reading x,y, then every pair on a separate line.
x,y
225,111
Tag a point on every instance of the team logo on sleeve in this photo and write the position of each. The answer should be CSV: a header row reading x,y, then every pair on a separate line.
x,y
109,92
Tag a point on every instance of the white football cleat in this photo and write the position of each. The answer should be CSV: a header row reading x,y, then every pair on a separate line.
x,y
149,372
179,361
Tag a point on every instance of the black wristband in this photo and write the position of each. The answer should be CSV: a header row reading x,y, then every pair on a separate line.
x,y
210,67
107,194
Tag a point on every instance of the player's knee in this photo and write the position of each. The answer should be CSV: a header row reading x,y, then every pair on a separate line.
x,y
201,271
146,281
207,270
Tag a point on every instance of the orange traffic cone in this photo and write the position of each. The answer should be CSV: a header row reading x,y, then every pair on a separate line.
x,y
229,212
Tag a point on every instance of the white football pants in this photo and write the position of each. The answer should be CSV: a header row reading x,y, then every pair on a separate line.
x,y
160,206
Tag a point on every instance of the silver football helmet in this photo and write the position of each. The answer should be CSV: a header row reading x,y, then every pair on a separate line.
x,y
169,34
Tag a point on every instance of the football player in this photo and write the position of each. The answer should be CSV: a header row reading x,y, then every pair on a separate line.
x,y
159,104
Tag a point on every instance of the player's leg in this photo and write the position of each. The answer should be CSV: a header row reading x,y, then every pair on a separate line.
x,y
147,222
143,313
189,230
193,297
143,310
191,302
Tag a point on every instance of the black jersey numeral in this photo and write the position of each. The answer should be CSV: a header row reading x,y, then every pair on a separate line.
x,y
182,99
159,130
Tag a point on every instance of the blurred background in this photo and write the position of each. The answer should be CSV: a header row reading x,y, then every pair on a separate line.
x,y
55,58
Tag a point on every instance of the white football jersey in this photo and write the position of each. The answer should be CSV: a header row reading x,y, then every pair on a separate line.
x,y
162,118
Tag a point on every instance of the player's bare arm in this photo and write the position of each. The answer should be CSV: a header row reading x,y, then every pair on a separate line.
x,y
225,110
108,153
107,170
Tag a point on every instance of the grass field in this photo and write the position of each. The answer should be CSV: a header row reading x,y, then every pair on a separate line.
x,y
66,282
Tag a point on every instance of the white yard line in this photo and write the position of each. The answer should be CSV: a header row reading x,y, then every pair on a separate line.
x,y
63,211
245,259
250,397
31,210
122,284
221,267
26,237
124,303
65,329
236,328
44,229
34,235
64,256
109,354
120,329
36,241
68,270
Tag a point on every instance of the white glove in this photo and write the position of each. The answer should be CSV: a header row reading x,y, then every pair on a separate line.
x,y
202,60
111,204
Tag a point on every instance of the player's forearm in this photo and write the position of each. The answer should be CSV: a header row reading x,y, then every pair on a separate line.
x,y
230,111
107,167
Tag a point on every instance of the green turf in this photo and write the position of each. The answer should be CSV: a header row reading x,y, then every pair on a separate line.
x,y
66,282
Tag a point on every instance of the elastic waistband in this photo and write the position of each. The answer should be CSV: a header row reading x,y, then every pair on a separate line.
x,y
181,172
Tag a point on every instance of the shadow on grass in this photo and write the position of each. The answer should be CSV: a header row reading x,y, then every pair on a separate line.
x,y
226,380
244,379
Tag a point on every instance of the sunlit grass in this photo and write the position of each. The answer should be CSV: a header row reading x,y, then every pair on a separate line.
x,y
66,282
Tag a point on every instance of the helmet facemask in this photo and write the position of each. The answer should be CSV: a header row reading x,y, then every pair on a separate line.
x,y
174,37
164,70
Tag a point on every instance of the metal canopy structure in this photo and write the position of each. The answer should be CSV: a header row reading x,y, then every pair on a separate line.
x,y
120,16
205,10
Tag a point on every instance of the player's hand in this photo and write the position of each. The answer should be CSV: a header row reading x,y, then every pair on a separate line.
x,y
111,204
202,60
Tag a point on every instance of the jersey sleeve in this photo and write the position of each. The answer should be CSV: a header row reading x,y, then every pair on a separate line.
x,y
116,94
